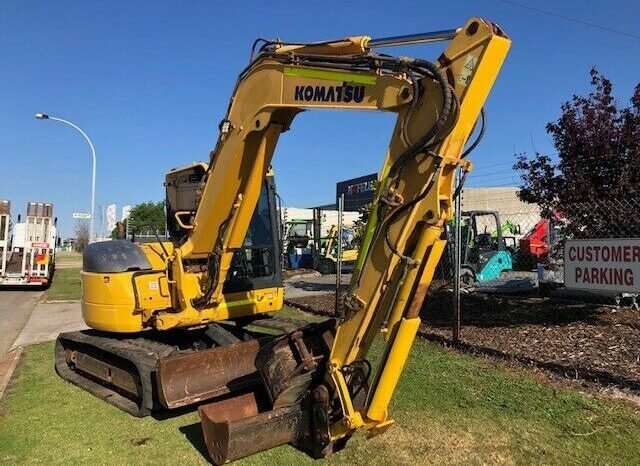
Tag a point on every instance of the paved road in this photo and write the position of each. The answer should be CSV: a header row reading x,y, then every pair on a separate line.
x,y
297,287
15,309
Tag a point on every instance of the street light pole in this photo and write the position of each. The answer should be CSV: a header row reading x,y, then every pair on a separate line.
x,y
44,116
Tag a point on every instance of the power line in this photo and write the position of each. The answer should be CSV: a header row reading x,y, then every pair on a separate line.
x,y
482,167
500,185
575,20
505,175
501,177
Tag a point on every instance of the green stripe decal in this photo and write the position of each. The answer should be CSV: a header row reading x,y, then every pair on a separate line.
x,y
329,75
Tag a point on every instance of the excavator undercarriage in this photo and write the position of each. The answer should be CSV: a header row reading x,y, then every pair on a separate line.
x,y
154,371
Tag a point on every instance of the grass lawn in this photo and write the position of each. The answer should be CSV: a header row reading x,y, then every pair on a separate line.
x,y
68,258
65,285
449,408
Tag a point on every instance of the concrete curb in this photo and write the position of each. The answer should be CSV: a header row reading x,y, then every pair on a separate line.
x,y
59,301
8,366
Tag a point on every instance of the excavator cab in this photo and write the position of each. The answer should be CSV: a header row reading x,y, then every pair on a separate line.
x,y
256,264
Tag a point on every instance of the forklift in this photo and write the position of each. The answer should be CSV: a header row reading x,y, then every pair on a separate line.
x,y
325,260
485,255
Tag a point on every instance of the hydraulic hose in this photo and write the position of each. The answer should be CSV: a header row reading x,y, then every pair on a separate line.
x,y
475,143
447,105
417,69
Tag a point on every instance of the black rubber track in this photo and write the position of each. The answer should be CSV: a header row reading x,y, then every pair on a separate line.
x,y
140,352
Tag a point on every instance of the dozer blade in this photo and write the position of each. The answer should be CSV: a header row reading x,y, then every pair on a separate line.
x,y
189,378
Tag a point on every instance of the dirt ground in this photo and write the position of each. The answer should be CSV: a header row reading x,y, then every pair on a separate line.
x,y
576,340
288,273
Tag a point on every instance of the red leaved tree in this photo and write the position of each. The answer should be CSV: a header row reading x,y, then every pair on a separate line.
x,y
595,184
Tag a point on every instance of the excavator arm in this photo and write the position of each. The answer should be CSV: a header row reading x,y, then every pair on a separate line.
x,y
319,386
284,80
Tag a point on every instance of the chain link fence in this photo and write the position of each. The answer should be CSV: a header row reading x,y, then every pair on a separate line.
x,y
502,241
513,247
144,232
608,218
514,304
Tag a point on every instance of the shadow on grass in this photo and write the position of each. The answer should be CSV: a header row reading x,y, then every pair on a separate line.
x,y
193,433
173,413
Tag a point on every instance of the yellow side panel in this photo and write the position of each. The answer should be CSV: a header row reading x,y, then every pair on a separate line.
x,y
108,302
232,306
151,293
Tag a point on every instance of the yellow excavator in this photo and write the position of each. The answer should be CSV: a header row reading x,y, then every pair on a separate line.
x,y
125,286
315,386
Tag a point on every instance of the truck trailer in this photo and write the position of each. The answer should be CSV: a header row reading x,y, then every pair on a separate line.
x,y
27,249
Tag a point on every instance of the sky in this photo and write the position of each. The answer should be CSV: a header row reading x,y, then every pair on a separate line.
x,y
149,81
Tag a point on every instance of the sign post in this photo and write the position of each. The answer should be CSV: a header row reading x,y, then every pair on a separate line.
x,y
339,254
457,262
82,215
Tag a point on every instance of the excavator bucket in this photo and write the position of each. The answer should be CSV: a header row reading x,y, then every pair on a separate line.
x,y
290,405
189,378
241,426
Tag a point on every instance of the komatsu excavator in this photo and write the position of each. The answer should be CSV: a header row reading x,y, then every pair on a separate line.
x,y
125,287
316,385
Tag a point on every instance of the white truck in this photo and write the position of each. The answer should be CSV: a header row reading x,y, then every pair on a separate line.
x,y
28,250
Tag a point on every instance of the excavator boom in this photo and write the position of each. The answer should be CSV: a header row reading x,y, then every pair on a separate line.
x,y
318,386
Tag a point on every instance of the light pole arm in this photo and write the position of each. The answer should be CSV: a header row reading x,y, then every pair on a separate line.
x,y
93,151
93,171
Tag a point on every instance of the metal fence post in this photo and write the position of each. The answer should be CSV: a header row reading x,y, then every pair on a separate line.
x,y
457,254
339,250
282,230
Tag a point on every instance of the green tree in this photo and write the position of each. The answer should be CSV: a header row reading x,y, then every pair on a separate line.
x,y
120,230
148,217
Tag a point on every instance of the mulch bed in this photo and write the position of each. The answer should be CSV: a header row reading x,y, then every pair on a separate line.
x,y
577,340
288,273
